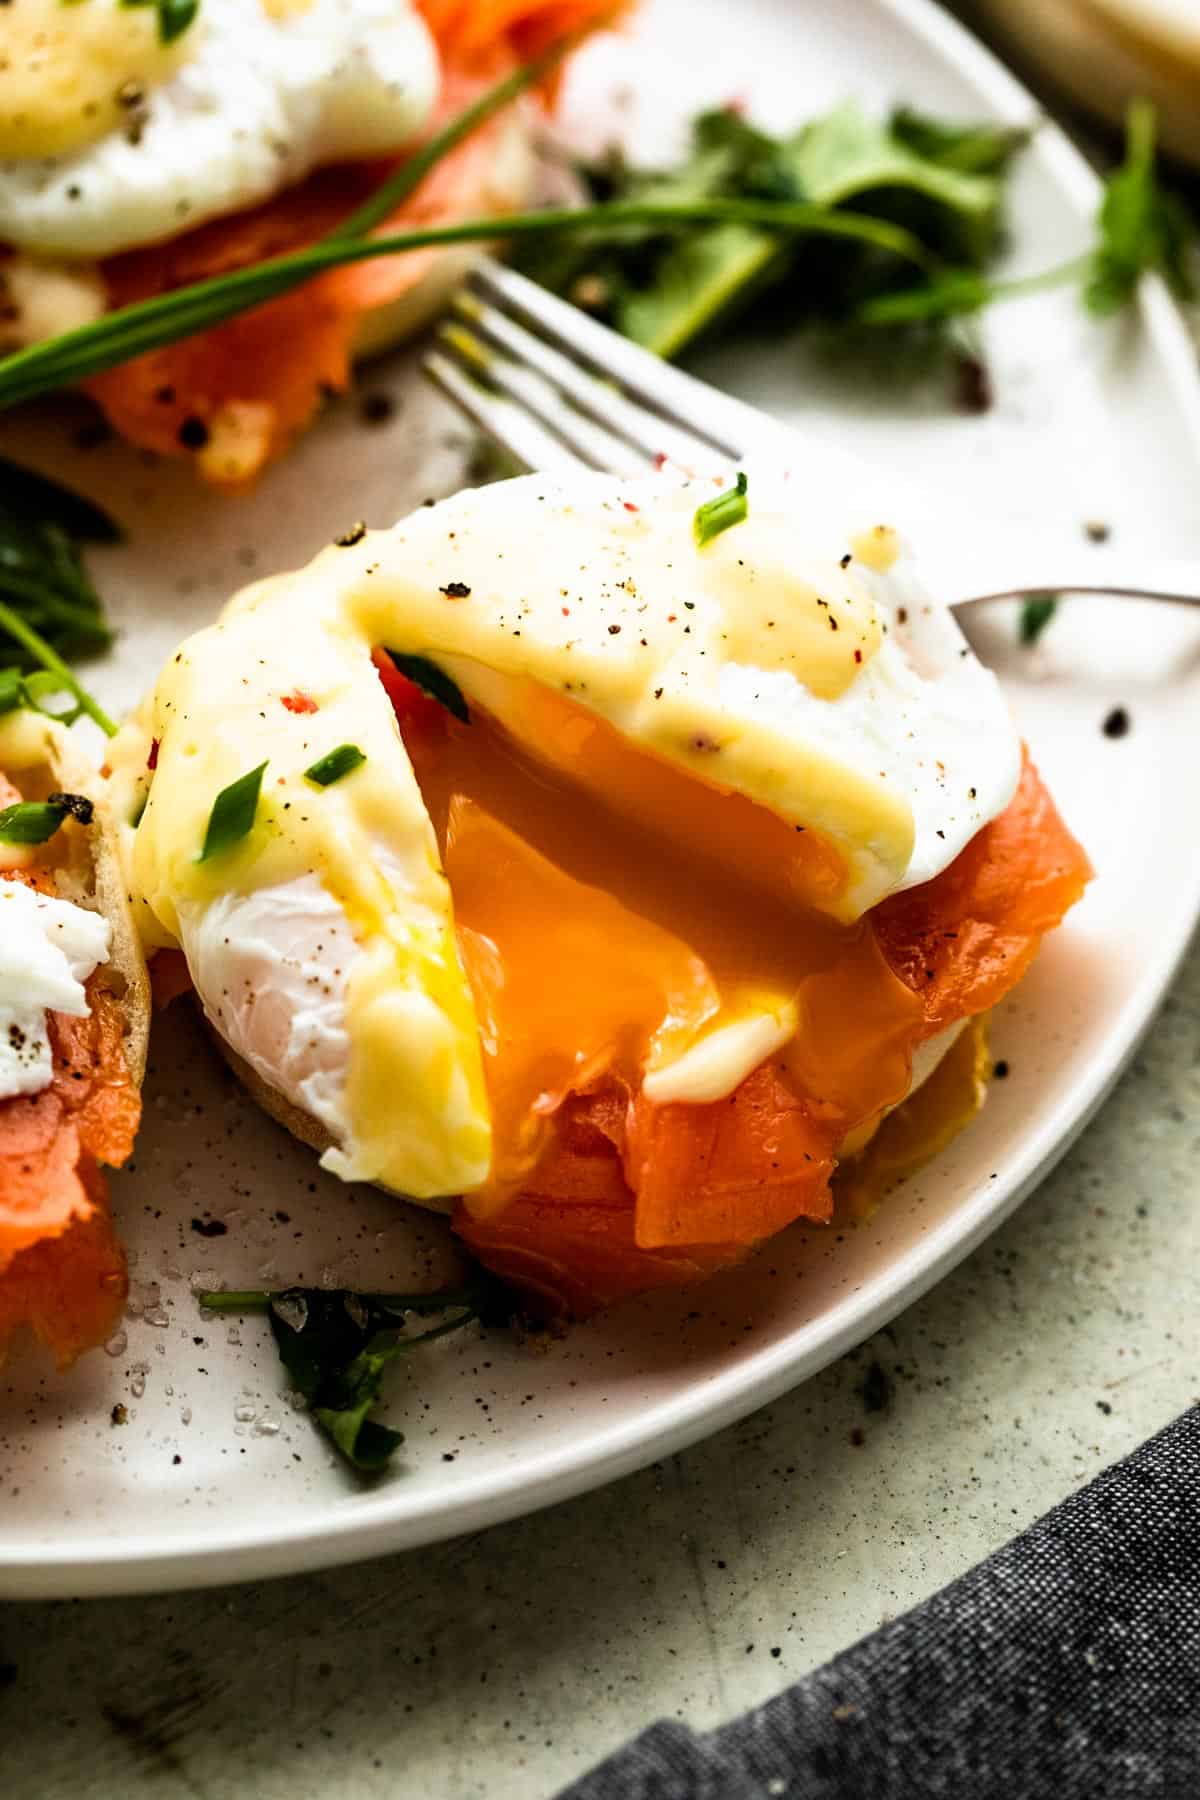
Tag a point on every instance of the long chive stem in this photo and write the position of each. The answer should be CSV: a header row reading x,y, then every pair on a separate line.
x,y
397,188
149,324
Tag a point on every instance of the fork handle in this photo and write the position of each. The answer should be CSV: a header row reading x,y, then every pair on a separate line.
x,y
1021,568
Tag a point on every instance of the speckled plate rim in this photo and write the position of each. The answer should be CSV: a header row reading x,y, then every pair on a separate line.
x,y
392,1521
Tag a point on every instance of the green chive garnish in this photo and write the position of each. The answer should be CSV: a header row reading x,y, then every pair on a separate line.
x,y
31,821
233,813
434,682
174,16
724,510
328,769
1036,614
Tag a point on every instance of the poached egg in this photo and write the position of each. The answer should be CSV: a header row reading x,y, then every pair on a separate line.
x,y
111,138
689,774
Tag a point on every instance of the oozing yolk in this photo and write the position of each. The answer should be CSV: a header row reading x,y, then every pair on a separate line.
x,y
605,927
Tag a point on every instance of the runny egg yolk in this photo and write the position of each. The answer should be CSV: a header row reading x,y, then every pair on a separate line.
x,y
612,910
69,74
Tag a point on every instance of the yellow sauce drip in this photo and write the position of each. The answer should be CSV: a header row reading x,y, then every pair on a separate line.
x,y
69,74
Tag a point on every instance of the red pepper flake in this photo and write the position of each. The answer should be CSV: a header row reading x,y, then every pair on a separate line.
x,y
858,656
630,506
660,459
300,703
671,618
566,612
152,759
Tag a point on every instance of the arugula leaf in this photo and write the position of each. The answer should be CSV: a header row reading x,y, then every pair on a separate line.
x,y
337,1346
972,149
1142,227
24,493
664,288
41,571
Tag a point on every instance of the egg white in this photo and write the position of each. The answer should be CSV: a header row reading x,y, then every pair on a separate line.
x,y
259,102
48,948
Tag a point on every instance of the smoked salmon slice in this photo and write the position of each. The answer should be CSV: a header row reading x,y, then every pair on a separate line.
x,y
236,396
633,1197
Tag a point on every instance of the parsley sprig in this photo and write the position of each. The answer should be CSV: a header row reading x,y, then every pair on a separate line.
x,y
48,605
337,1346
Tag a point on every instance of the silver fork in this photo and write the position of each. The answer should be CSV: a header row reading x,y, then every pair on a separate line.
x,y
558,391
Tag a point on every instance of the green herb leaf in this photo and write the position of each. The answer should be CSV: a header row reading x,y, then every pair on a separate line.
x,y
1036,614
434,682
971,149
131,331
31,821
53,676
718,514
232,816
174,16
941,188
1141,226
330,768
337,1346
32,496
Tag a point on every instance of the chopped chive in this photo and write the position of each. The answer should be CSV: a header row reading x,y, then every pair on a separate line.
x,y
233,813
328,769
174,16
1036,614
31,821
434,682
724,510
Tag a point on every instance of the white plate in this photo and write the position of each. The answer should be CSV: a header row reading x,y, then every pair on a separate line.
x,y
1088,423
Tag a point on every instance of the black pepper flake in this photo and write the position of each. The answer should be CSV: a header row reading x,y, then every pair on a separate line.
x,y
974,385
355,535
209,1228
78,805
902,615
1117,723
1096,531
613,630
833,624
455,590
1000,1069
119,1414
876,1389
377,409
193,433
845,561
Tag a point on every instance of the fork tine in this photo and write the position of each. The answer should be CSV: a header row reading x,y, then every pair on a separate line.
x,y
507,425
596,400
727,426
587,441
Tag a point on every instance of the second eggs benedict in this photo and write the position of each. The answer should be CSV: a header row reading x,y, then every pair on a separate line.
x,y
601,862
